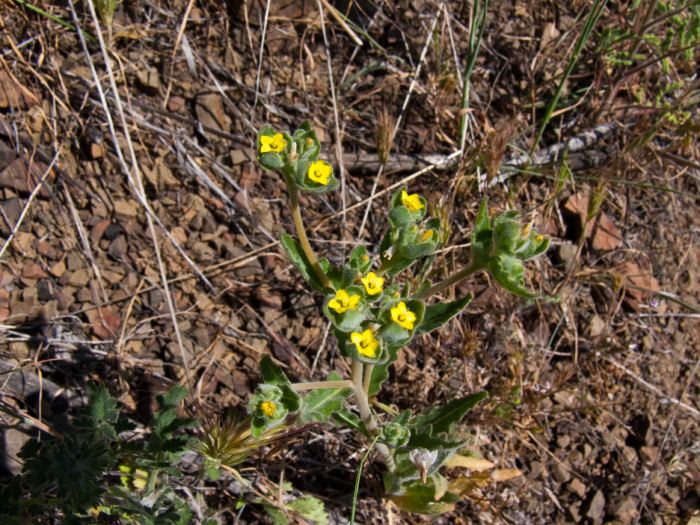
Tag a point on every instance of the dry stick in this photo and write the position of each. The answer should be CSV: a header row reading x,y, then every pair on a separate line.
x,y
301,232
341,20
260,57
653,388
338,138
31,198
86,246
180,34
135,178
411,87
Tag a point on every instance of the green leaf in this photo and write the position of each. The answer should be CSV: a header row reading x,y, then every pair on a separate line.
x,y
438,314
506,233
482,235
277,517
341,277
172,398
272,373
420,498
350,420
298,258
319,405
442,418
400,216
310,508
360,259
380,373
509,272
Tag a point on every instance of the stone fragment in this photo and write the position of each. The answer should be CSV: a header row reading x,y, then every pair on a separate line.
x,y
32,270
126,208
210,112
596,508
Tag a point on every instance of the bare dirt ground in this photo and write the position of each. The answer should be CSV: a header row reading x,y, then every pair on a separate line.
x,y
109,188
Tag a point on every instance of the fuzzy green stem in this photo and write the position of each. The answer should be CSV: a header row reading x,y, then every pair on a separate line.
x,y
366,413
320,385
301,232
449,281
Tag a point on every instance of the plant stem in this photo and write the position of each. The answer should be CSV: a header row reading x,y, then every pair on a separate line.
x,y
449,281
366,413
319,385
301,232
367,379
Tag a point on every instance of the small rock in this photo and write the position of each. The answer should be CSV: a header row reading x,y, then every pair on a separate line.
x,y
98,230
32,270
12,209
179,234
626,511
606,236
238,156
96,151
210,112
79,278
596,508
104,321
58,269
126,208
117,248
44,248
176,104
596,326
577,487
148,79
567,254
113,230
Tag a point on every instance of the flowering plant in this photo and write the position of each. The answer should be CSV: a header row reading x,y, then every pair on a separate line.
x,y
374,314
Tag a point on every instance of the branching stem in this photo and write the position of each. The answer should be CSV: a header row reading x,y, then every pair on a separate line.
x,y
450,281
319,385
366,413
301,232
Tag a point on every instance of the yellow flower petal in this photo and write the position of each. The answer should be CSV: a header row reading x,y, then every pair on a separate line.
x,y
373,283
320,172
268,408
365,343
275,143
427,235
403,317
343,301
412,202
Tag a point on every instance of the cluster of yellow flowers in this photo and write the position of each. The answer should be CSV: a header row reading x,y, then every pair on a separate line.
x,y
366,342
319,171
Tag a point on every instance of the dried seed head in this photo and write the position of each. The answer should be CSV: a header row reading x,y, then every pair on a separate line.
x,y
495,142
385,132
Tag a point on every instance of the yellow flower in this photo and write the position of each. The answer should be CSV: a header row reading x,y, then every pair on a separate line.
x,y
373,283
526,230
365,342
343,301
412,202
320,172
268,408
403,317
539,238
276,143
427,235
140,479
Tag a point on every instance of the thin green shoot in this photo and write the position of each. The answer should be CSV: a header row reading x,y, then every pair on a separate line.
x,y
54,18
476,32
591,21
358,476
